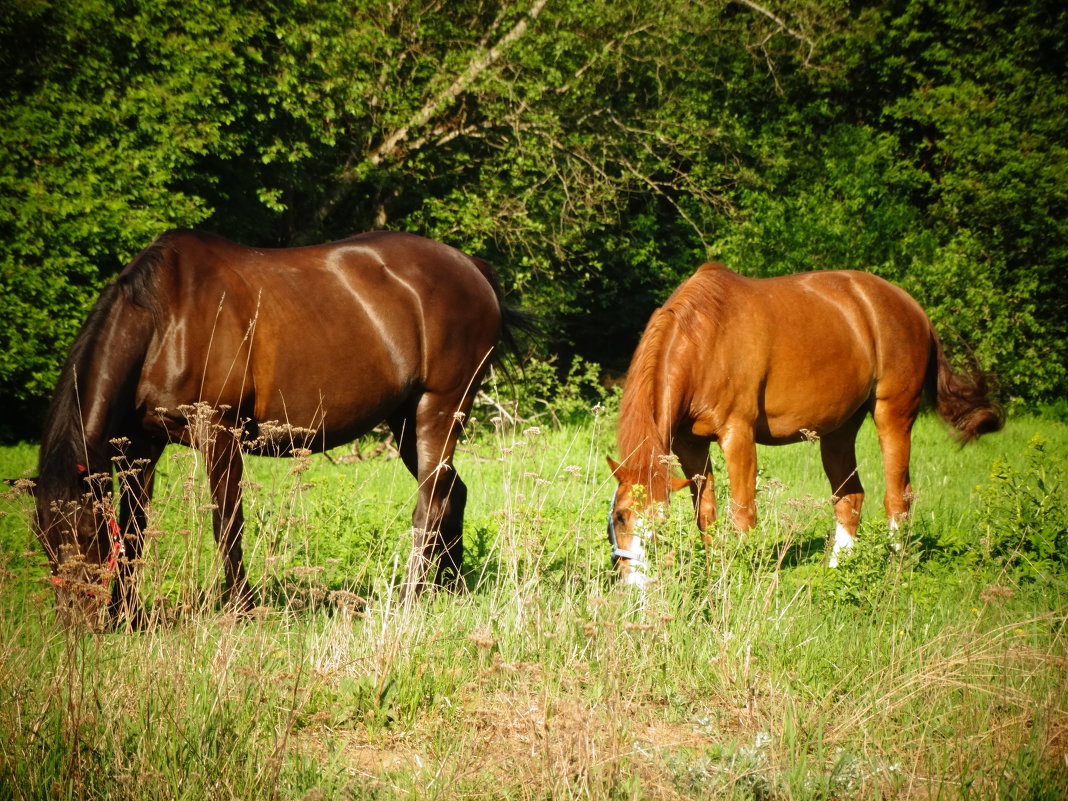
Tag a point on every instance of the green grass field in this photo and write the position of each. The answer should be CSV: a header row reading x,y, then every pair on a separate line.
x,y
747,671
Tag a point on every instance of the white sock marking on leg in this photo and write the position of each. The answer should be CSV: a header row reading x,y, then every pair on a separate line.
x,y
843,541
895,540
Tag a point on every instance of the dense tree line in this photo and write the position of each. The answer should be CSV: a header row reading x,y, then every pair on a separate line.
x,y
596,151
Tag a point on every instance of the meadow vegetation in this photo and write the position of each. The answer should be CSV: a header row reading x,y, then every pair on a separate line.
x,y
745,671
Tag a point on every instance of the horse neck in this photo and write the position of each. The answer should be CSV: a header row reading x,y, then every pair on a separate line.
x,y
93,392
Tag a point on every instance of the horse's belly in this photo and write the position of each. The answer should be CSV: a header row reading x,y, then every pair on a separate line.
x,y
318,396
812,411
345,404
785,429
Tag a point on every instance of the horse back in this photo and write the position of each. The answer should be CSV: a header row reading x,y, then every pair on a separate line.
x,y
325,337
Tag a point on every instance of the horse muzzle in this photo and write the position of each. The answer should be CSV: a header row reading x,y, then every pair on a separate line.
x,y
81,600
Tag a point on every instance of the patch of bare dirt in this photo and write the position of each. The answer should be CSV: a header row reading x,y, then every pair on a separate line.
x,y
523,744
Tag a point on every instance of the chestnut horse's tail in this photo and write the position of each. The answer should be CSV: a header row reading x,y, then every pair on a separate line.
x,y
962,400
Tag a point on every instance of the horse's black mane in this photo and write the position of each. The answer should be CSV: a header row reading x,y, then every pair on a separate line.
x,y
138,279
65,455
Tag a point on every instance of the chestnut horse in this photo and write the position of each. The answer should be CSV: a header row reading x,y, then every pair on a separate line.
x,y
741,361
231,349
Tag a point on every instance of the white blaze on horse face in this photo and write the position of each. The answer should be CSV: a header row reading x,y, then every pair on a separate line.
x,y
637,578
633,555
631,559
642,531
843,542
634,575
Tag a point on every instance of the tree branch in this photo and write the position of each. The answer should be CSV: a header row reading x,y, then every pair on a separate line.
x,y
782,25
483,58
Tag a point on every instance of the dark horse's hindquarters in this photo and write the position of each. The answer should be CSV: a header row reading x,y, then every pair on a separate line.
x,y
223,348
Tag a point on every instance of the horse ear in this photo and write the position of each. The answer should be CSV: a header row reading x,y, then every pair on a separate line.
x,y
680,483
613,465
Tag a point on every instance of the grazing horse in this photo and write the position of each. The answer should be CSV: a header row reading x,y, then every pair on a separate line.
x,y
232,349
741,361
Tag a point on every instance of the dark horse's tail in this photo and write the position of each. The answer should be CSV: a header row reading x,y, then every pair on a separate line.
x,y
961,400
516,324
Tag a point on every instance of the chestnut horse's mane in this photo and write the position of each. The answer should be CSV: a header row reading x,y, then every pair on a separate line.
x,y
639,431
701,301
646,413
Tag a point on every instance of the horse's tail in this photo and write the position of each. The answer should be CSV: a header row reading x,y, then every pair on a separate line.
x,y
517,325
962,400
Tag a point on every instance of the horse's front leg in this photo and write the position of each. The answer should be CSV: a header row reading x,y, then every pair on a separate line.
x,y
838,452
223,457
695,464
739,450
137,476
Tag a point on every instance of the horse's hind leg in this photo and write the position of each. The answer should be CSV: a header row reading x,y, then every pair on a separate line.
x,y
838,452
137,475
894,423
427,441
223,456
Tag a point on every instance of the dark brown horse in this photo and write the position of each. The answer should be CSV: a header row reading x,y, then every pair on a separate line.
x,y
742,361
231,349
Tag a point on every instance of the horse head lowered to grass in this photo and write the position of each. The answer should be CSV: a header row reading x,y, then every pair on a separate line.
x,y
217,346
742,361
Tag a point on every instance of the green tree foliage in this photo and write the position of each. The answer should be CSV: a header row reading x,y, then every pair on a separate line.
x,y
934,155
595,151
103,121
